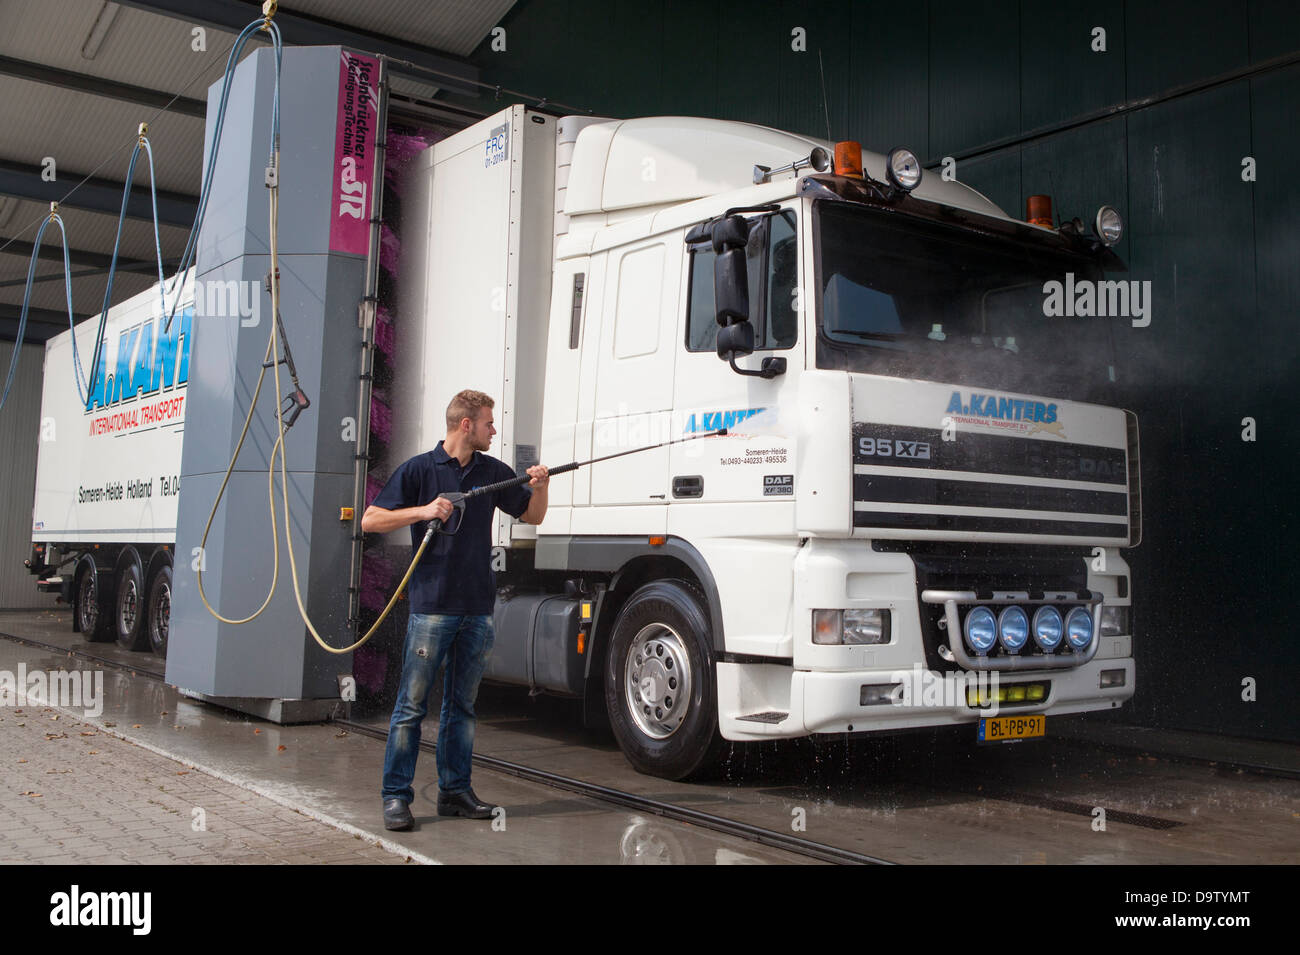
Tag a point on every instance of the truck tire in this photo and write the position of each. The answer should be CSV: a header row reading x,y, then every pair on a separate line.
x,y
661,682
93,620
158,619
128,616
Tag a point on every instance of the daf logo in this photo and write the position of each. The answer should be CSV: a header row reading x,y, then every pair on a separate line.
x,y
778,485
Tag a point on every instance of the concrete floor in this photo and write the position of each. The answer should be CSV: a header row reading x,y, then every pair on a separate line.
x,y
333,775
926,797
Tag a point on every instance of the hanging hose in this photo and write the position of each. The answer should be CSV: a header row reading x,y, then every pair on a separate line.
x,y
191,243
271,349
142,142
79,377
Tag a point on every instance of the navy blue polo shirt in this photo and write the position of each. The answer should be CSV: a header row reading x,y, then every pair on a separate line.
x,y
455,575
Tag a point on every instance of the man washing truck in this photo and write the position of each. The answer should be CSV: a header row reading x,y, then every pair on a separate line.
x,y
451,595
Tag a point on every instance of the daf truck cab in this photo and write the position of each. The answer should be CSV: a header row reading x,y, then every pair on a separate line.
x,y
914,517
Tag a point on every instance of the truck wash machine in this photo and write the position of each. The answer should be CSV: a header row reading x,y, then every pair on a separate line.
x,y
330,173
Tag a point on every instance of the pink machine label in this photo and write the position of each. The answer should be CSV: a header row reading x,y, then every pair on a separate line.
x,y
354,147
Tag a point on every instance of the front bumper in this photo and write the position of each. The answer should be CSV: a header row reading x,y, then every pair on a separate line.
x,y
831,702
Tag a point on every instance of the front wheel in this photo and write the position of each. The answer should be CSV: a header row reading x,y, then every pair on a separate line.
x,y
661,683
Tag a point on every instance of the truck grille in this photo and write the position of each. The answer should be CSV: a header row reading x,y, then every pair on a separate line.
x,y
910,478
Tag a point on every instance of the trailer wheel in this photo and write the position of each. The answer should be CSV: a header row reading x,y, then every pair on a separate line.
x,y
160,610
661,684
129,615
91,618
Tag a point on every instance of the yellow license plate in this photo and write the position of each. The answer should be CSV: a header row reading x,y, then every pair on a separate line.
x,y
1010,729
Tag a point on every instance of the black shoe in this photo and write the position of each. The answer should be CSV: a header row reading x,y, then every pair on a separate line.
x,y
397,815
463,804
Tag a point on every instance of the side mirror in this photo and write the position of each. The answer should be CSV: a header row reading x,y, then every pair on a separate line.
x,y
731,298
730,273
735,340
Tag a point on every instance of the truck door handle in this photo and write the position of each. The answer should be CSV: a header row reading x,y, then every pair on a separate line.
x,y
691,485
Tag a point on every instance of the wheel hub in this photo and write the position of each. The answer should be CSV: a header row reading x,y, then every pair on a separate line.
x,y
87,605
128,607
658,680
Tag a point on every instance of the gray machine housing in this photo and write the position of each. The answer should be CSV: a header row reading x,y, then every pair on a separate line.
x,y
271,667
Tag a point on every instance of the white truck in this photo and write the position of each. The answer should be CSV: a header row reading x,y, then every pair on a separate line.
x,y
914,518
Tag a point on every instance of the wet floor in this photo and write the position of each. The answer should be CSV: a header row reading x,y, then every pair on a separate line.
x,y
922,797
333,774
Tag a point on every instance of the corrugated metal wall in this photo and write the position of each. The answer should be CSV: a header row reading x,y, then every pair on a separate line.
x,y
1017,94
20,429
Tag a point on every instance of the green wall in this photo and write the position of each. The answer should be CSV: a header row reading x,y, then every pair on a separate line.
x,y
1015,93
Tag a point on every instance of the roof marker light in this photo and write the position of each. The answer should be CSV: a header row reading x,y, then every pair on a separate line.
x,y
1038,211
848,159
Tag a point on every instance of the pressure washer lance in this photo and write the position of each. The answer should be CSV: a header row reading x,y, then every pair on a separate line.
x,y
458,499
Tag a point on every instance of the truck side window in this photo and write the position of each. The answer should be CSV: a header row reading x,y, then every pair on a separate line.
x,y
782,283
773,260
701,324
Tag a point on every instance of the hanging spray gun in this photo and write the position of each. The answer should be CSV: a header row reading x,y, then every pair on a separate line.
x,y
296,401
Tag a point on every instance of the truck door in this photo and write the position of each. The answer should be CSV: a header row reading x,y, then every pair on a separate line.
x,y
758,464
634,388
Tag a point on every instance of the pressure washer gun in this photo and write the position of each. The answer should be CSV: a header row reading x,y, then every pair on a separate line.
x,y
458,498
296,401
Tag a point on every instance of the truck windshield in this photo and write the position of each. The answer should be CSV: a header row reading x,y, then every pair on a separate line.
x,y
910,298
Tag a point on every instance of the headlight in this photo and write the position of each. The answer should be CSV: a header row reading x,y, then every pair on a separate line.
x,y
981,629
866,626
1078,628
1048,628
1114,621
1109,225
856,627
902,169
1013,629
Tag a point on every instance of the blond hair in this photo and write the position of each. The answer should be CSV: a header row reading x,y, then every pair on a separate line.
x,y
466,404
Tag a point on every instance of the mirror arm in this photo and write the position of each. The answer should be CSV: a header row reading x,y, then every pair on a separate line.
x,y
772,366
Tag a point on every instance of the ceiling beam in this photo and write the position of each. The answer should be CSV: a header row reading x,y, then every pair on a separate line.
x,y
457,74
80,258
130,265
23,181
42,323
98,86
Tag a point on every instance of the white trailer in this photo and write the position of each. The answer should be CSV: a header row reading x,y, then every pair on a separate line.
x,y
107,471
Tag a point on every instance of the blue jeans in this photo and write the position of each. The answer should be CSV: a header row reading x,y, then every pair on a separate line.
x,y
465,642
